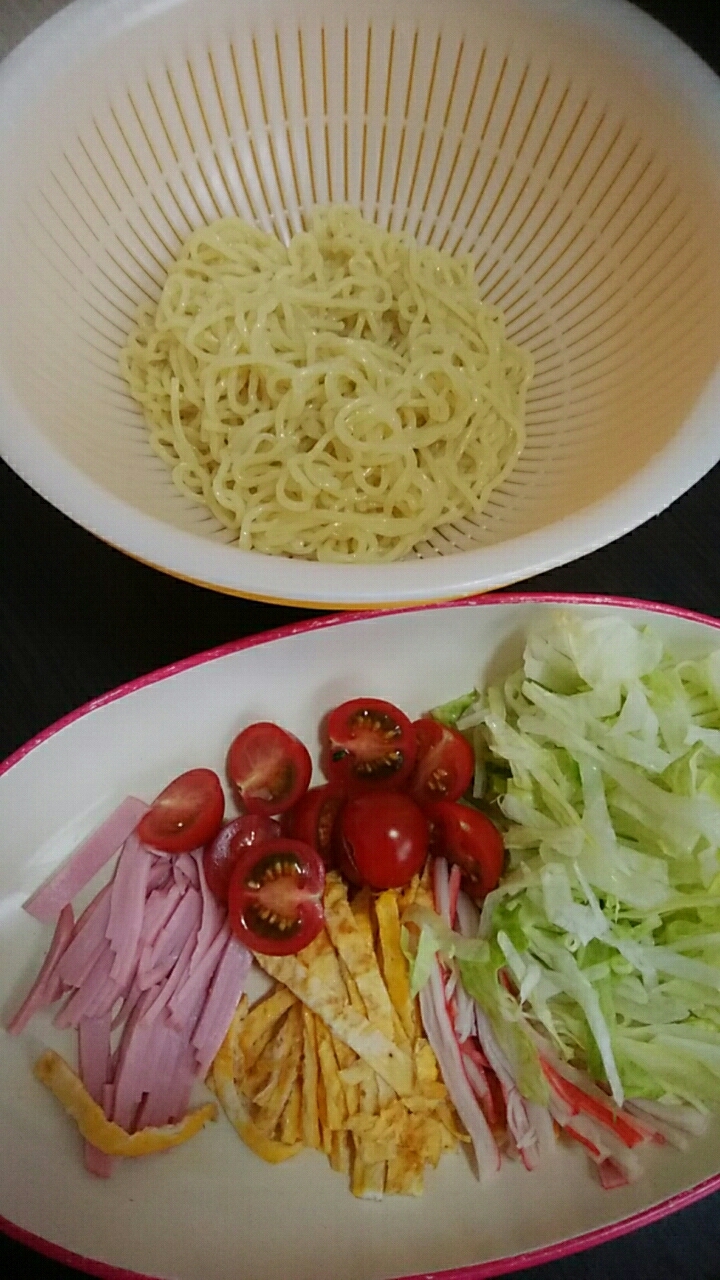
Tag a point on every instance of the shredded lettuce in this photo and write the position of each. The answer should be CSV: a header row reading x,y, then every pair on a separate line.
x,y
604,753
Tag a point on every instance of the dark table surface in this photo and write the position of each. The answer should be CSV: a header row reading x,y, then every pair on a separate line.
x,y
78,618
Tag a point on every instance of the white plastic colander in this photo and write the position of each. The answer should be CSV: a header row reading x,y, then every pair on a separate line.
x,y
572,147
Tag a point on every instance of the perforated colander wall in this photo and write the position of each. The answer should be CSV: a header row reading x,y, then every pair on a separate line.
x,y
526,144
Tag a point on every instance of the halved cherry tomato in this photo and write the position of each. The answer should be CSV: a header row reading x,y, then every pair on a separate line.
x,y
370,743
219,858
269,768
312,820
186,814
465,836
384,837
275,901
445,762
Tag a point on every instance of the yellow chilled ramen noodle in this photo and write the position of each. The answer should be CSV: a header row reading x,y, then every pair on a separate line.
x,y
337,398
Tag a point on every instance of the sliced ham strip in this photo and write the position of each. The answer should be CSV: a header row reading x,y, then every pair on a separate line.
x,y
135,1071
222,1001
160,872
197,981
176,977
213,915
85,1000
157,1106
70,879
181,1084
159,906
185,869
87,942
169,941
127,904
94,1064
439,1031
47,987
128,1004
153,959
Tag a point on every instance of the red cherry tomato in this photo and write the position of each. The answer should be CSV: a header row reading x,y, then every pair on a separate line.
x,y
275,901
312,820
445,762
186,814
269,768
370,743
220,857
384,837
465,836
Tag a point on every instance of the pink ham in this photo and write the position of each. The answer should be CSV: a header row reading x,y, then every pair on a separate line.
x,y
159,1099
94,1064
221,1003
169,941
213,915
47,987
87,942
180,941
185,870
175,978
127,905
70,879
160,872
198,980
155,943
85,1000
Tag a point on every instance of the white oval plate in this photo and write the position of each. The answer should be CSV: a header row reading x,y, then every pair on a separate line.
x,y
211,1210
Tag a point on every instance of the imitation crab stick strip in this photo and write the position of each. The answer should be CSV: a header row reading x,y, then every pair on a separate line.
x,y
54,1072
48,901
440,1033
518,1120
630,1132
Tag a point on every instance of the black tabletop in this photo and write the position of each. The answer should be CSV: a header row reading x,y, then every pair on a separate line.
x,y
77,618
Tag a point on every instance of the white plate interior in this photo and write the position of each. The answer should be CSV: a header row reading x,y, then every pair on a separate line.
x,y
211,1210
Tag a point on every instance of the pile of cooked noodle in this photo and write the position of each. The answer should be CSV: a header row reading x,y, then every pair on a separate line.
x,y
337,398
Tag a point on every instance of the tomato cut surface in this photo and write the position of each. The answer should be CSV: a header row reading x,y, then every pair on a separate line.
x,y
313,818
383,838
445,762
186,815
269,768
468,838
370,743
275,900
219,857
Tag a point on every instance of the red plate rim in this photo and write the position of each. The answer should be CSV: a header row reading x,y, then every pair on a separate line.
x,y
476,1271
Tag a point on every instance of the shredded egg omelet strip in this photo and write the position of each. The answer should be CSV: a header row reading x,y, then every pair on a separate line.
x,y
333,1059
